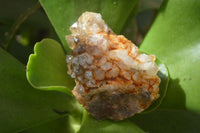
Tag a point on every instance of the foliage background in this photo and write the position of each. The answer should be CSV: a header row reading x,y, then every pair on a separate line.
x,y
173,38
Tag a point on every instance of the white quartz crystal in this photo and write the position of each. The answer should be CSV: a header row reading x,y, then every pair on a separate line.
x,y
113,80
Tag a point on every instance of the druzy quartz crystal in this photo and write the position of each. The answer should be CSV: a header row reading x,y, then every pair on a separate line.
x,y
113,80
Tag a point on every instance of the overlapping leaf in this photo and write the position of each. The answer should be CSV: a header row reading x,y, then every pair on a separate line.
x,y
174,38
47,69
63,13
61,125
21,105
91,125
168,121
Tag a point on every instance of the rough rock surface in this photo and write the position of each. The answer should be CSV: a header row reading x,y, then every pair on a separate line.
x,y
113,80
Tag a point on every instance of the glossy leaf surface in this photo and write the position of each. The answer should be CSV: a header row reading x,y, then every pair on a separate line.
x,y
63,13
21,105
47,69
61,125
91,125
168,122
174,38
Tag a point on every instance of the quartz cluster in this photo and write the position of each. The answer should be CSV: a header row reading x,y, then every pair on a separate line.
x,y
113,80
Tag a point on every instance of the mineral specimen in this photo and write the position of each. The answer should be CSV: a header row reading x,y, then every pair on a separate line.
x,y
113,80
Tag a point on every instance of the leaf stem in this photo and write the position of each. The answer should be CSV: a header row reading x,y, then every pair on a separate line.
x,y
19,22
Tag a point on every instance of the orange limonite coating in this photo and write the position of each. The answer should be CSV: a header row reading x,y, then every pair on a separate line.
x,y
113,80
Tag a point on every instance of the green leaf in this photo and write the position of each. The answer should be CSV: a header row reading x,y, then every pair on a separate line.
x,y
168,122
174,38
61,125
164,76
22,106
91,125
47,69
63,13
